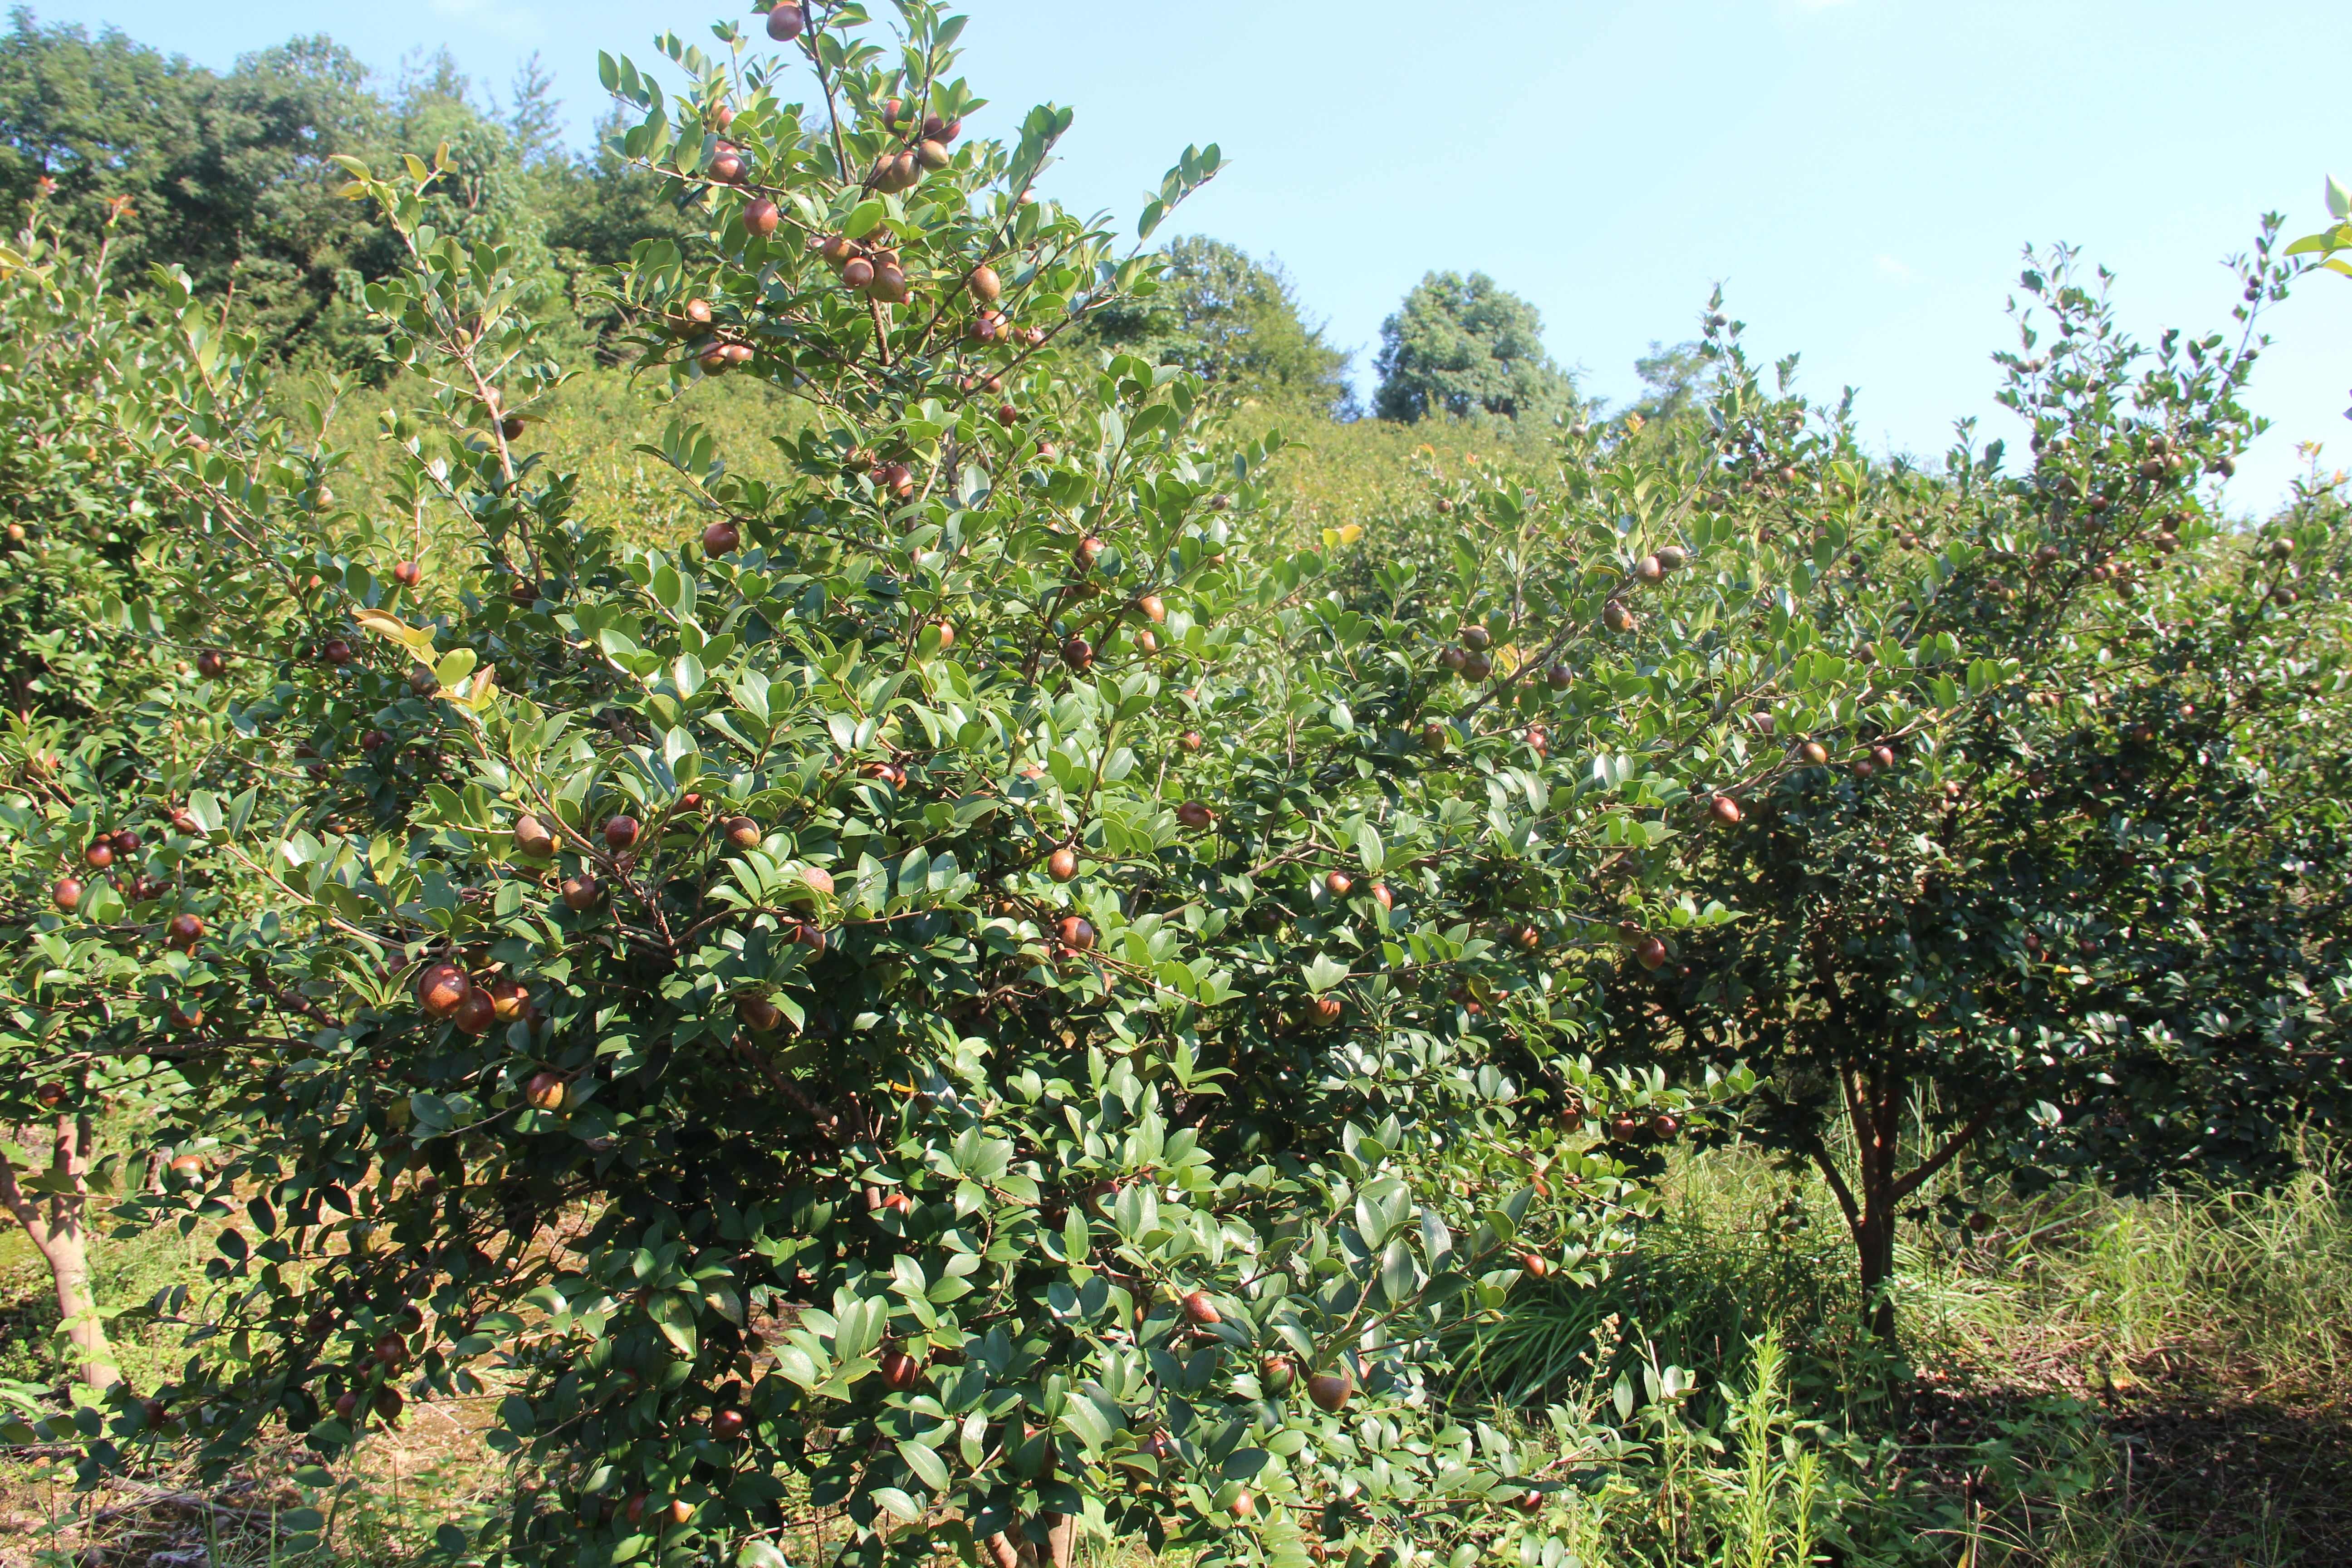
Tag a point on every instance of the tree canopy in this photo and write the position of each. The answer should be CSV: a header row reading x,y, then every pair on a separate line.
x,y
1461,347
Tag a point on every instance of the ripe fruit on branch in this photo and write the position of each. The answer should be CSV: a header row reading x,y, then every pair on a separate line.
x,y
1724,810
1325,1011
1275,1374
721,538
580,893
1476,639
1381,896
1650,569
101,854
211,663
1884,756
1663,1126
1199,1310
1062,864
1559,676
1088,552
1535,1264
1452,658
742,833
857,272
1077,653
523,591
1672,557
787,21
761,216
726,166
726,1425
1616,616
509,999
1477,667
1330,1389
1076,932
182,933
621,834
1153,609
1195,814
442,989
761,1015
336,652
1191,740
1528,938
475,1013
1650,953
531,838
1813,753
66,894
1337,883
900,1371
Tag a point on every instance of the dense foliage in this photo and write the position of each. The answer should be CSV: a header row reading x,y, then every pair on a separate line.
x,y
993,992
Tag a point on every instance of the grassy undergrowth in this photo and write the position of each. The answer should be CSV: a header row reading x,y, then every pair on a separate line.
x,y
2089,1383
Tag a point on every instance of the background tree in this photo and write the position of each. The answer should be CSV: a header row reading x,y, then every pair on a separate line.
x,y
1465,346
1230,319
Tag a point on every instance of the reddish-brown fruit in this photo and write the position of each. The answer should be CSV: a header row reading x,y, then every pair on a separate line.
x,y
900,1371
391,1351
1884,756
523,591
1381,896
857,272
621,834
336,652
1062,864
50,1094
476,1014
1191,740
544,1092
1077,653
761,216
184,821
1275,1374
1245,1505
760,1013
1536,1264
809,935
211,663
1195,814
441,989
1154,608
188,1167
680,1510
787,22
183,931
726,1425
985,284
726,166
531,836
1337,883
1200,1310
1076,932
1088,552
1476,667
374,741
580,893
1813,753
818,878
742,833
66,894
510,428
1330,1389
1651,953
1724,810
1528,938
1616,616
721,538
1671,556
186,1015
1864,767
1325,1011
1649,569
1663,1126
509,999
1560,678
698,311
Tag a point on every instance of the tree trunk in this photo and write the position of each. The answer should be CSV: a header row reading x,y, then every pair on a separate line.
x,y
53,1220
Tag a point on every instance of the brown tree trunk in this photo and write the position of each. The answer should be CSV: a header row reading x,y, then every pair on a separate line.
x,y
1874,1107
54,1221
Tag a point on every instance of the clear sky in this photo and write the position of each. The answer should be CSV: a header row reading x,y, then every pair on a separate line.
x,y
1859,174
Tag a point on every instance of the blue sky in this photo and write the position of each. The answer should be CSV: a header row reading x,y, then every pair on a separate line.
x,y
1860,174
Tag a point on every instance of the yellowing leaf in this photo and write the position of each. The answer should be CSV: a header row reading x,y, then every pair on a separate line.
x,y
417,639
